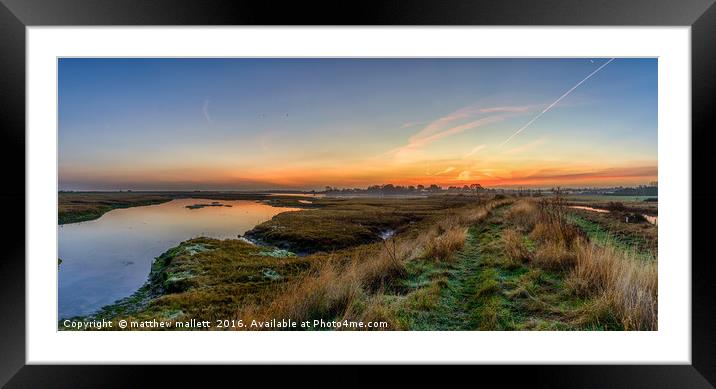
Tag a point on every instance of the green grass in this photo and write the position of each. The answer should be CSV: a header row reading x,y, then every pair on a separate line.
x,y
482,290
607,198
433,301
605,234
523,297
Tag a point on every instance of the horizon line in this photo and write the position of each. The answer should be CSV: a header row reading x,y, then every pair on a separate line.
x,y
276,190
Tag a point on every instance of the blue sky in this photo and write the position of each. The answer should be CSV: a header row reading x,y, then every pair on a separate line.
x,y
306,123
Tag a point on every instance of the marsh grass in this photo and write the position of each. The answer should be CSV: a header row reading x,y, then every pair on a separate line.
x,y
75,207
620,288
353,283
443,246
627,286
554,255
452,264
524,215
345,223
374,309
516,250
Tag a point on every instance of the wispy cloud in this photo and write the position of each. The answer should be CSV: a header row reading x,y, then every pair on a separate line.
x,y
474,151
438,125
565,94
205,110
525,147
425,139
447,126
445,171
567,176
412,124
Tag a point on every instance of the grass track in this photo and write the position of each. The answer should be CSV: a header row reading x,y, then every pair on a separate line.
x,y
479,290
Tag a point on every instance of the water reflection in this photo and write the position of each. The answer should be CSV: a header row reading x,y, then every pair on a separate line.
x,y
589,208
109,258
651,219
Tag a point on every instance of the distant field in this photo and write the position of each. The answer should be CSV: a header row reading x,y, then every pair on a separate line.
x,y
77,206
609,198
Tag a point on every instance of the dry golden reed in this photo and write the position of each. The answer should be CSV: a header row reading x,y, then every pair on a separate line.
x,y
351,285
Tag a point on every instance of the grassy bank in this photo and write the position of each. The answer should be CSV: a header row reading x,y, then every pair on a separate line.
x,y
618,288
630,204
641,239
76,207
342,223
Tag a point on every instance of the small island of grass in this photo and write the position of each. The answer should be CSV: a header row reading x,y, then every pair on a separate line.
x,y
202,205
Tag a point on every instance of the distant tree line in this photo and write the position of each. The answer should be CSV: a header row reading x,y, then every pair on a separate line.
x,y
641,190
390,189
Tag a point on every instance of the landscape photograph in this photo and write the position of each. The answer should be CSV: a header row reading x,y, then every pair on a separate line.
x,y
388,194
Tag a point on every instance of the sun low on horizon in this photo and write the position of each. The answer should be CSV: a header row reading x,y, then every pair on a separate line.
x,y
303,124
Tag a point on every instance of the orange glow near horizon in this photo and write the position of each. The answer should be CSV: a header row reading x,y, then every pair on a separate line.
x,y
361,175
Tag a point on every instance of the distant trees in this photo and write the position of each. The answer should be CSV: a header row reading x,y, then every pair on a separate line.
x,y
641,190
476,188
388,189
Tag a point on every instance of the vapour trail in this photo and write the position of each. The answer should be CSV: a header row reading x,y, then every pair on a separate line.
x,y
205,109
556,101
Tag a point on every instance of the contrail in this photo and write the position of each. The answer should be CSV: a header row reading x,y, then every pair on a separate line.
x,y
556,101
205,109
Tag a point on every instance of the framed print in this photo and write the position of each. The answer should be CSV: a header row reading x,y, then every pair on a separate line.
x,y
446,184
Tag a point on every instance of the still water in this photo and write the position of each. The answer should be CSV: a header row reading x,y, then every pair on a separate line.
x,y
109,258
651,219
589,208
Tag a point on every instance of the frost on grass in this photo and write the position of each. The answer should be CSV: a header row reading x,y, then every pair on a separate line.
x,y
194,249
271,274
173,314
277,253
179,282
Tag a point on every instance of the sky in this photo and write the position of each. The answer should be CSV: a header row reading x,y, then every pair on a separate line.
x,y
287,123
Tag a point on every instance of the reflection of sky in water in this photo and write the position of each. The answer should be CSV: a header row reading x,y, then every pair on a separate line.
x,y
109,258
649,218
589,208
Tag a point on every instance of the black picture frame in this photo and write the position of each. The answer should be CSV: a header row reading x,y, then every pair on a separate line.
x,y
16,15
